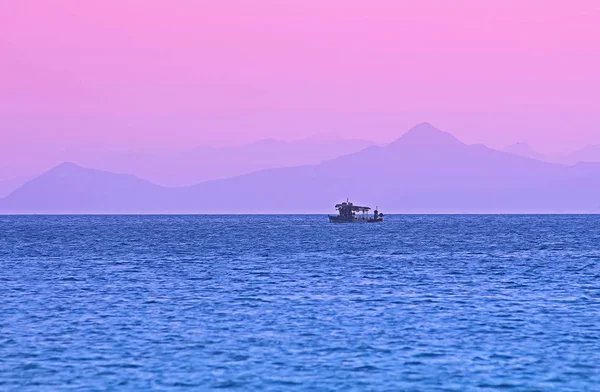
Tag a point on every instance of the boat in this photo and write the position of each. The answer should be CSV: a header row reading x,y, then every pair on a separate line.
x,y
349,213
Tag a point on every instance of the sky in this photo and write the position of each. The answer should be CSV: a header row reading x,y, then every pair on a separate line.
x,y
158,75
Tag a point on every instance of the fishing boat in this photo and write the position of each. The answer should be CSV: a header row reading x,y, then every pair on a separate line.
x,y
349,213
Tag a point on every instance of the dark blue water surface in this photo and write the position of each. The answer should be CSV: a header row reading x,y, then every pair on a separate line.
x,y
418,303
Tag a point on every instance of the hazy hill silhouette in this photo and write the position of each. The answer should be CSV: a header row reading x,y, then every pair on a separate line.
x,y
525,150
69,188
425,170
589,153
209,163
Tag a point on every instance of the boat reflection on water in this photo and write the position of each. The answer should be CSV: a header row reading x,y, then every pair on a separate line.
x,y
349,213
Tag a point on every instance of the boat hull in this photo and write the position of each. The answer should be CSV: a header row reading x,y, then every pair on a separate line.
x,y
341,219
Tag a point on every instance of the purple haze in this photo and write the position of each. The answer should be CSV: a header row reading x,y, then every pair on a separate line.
x,y
424,171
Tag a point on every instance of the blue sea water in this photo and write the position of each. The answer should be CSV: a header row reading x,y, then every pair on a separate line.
x,y
274,303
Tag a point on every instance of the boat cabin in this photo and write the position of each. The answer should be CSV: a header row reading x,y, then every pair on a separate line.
x,y
349,213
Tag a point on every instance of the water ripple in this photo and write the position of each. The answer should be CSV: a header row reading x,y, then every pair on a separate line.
x,y
441,303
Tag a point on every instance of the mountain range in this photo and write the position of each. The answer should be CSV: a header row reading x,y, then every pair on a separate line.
x,y
426,170
209,163
589,153
191,166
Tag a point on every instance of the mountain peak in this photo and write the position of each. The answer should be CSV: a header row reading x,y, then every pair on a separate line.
x,y
424,126
65,168
67,165
424,134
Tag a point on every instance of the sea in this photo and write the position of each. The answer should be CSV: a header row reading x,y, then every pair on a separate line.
x,y
292,302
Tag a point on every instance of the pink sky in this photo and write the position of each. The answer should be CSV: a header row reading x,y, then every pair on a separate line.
x,y
158,75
